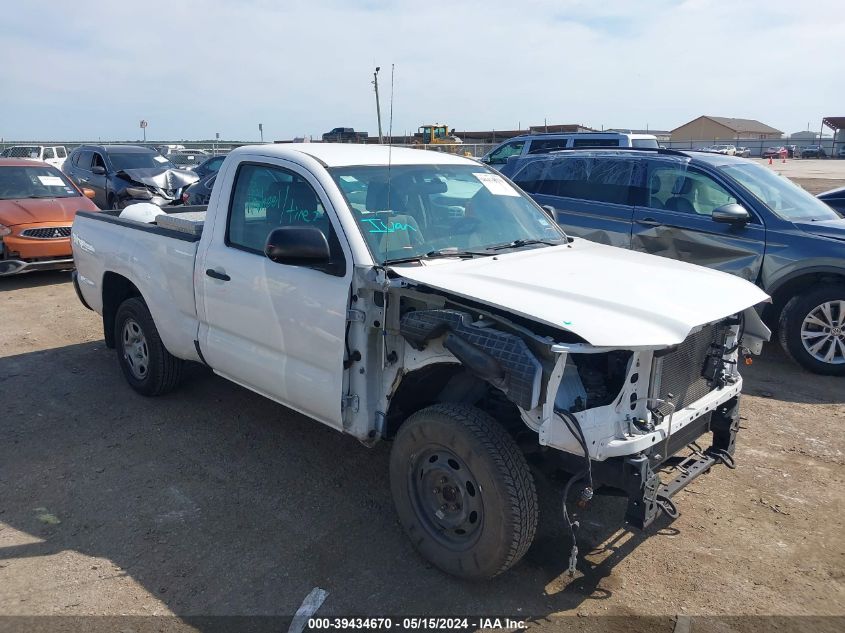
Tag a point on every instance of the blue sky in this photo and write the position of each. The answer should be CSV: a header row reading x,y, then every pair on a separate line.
x,y
91,70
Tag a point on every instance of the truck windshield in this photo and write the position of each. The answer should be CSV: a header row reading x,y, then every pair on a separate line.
x,y
786,199
38,181
139,160
412,210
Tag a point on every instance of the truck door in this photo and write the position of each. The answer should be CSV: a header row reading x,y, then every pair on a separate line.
x,y
278,329
675,220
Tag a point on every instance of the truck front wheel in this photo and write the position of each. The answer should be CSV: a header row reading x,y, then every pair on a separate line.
x,y
463,491
147,365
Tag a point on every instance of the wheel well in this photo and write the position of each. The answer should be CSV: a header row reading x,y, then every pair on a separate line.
x,y
116,290
792,288
447,382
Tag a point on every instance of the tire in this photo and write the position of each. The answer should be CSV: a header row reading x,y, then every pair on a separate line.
x,y
147,365
113,204
800,347
459,458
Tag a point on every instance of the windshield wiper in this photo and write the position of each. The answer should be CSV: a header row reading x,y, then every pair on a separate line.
x,y
441,252
521,243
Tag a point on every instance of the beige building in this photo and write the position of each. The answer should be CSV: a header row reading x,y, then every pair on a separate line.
x,y
718,128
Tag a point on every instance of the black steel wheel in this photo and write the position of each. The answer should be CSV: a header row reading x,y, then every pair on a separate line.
x,y
463,491
446,497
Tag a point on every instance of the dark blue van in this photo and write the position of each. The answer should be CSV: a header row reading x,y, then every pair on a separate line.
x,y
719,211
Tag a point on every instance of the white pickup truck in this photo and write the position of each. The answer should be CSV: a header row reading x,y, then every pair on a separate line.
x,y
420,297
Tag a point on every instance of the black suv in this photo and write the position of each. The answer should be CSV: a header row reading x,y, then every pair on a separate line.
x,y
124,174
728,213
344,135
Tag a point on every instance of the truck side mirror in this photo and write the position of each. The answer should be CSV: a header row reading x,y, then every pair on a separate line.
x,y
98,169
731,213
298,246
550,211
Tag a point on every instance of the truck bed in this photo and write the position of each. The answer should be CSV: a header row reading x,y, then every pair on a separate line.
x,y
157,258
179,222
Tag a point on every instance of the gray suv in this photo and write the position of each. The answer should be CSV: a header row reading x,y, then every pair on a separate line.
x,y
719,211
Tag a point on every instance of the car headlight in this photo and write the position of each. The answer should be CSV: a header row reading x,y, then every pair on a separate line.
x,y
138,192
4,230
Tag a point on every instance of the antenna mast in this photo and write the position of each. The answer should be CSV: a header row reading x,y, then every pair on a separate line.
x,y
390,135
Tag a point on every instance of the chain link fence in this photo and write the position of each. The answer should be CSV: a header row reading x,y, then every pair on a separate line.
x,y
189,152
757,147
174,149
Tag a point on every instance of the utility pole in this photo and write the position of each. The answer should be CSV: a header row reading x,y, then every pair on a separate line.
x,y
261,131
378,105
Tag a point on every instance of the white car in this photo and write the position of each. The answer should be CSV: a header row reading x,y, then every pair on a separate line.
x,y
543,143
729,150
54,155
419,297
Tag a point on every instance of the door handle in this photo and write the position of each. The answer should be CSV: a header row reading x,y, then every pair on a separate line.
x,y
82,179
217,275
649,222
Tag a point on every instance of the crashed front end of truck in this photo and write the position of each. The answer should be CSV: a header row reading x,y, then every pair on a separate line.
x,y
613,417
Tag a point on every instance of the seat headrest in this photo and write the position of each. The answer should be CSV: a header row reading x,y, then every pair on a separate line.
x,y
377,196
656,184
683,185
276,194
301,197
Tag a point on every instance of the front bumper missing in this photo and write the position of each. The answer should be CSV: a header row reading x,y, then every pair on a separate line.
x,y
638,476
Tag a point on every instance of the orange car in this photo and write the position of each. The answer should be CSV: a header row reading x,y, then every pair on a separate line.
x,y
37,205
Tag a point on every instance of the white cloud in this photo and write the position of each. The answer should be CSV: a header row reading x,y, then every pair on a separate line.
x,y
93,69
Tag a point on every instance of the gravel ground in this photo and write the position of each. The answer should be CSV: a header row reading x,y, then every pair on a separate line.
x,y
213,500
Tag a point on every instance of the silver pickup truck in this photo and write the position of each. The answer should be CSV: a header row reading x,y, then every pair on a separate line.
x,y
420,297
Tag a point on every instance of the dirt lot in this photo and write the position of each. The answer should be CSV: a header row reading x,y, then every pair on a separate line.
x,y
213,500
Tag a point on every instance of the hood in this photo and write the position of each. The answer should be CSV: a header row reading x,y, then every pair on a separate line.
x,y
161,178
833,229
839,192
31,210
608,296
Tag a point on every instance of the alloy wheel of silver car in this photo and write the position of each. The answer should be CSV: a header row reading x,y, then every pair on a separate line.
x,y
823,332
135,349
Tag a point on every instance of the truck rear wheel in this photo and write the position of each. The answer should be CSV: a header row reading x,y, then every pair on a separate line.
x,y
147,365
812,329
463,491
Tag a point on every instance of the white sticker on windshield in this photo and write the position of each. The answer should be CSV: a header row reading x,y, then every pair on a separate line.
x,y
349,179
160,159
496,184
51,181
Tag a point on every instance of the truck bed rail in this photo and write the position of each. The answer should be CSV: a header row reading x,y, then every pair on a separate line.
x,y
113,217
